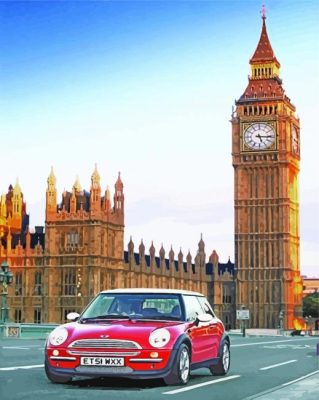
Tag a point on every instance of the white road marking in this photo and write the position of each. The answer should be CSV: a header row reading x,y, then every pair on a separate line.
x,y
22,367
257,343
299,379
289,346
185,389
277,365
16,347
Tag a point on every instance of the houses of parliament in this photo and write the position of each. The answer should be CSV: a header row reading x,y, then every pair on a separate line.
x,y
80,251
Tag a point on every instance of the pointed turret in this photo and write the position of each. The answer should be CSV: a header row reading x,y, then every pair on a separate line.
x,y
130,245
171,254
17,208
73,201
95,178
95,191
201,256
118,195
264,52
264,82
152,250
180,256
51,195
141,248
77,185
16,200
162,252
107,199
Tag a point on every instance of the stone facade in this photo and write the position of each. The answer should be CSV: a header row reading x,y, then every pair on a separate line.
x,y
265,148
82,252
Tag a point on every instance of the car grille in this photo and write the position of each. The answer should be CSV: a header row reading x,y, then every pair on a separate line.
x,y
104,344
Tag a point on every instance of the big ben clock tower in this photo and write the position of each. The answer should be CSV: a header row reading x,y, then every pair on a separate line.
x,y
266,155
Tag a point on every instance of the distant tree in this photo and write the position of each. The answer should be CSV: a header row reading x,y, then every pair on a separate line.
x,y
311,305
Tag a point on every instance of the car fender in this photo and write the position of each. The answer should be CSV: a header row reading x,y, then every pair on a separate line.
x,y
225,338
183,338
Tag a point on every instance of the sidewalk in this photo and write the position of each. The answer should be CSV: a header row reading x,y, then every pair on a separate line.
x,y
305,389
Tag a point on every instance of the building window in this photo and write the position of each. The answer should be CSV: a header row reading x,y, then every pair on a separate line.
x,y
38,283
17,315
72,239
69,282
37,316
18,280
226,295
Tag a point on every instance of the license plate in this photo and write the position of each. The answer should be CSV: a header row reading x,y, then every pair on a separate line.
x,y
103,361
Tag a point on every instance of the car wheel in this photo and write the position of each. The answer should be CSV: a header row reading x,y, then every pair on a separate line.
x,y
56,378
222,367
181,369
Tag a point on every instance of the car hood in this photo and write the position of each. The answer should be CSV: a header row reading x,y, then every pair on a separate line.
x,y
122,329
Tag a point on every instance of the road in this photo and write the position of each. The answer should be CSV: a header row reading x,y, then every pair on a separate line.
x,y
262,368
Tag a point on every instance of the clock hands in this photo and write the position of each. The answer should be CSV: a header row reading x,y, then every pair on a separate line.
x,y
262,136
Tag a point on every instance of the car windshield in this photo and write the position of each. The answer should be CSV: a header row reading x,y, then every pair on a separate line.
x,y
141,306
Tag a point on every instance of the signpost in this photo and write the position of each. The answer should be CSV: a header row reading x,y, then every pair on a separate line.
x,y
242,315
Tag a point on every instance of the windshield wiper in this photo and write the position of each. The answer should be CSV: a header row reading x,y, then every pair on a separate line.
x,y
104,317
158,318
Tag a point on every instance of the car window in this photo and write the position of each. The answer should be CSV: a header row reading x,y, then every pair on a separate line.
x,y
138,306
192,307
206,306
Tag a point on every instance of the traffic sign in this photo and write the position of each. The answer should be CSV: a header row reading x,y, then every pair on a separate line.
x,y
242,314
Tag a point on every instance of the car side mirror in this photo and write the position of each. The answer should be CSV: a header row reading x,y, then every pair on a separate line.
x,y
72,316
203,319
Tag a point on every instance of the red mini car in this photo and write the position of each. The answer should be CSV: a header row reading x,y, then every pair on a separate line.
x,y
139,334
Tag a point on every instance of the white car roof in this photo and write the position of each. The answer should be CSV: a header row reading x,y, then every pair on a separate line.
x,y
144,290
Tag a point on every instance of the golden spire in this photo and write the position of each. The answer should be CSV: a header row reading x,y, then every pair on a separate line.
x,y
17,188
77,185
95,178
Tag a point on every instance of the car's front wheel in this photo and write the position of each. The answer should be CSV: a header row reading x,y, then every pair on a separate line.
x,y
181,369
56,378
222,367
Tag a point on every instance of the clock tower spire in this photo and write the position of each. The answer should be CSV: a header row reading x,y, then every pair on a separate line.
x,y
265,152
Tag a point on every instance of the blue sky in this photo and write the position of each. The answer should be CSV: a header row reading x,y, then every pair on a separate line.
x,y
146,88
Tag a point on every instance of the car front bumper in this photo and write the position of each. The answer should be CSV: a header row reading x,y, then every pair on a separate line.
x,y
135,368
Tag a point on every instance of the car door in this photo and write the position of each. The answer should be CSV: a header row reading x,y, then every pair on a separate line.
x,y
214,329
198,334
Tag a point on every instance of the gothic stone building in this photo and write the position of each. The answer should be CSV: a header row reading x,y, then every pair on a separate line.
x,y
82,252
265,150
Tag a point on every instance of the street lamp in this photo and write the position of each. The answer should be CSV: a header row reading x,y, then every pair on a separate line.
x,y
6,278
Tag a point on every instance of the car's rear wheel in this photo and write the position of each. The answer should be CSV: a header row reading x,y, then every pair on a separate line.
x,y
55,378
181,369
222,367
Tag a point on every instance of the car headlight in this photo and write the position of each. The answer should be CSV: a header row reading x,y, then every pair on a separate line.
x,y
58,336
159,337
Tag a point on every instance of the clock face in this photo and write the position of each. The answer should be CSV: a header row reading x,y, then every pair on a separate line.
x,y
259,136
294,140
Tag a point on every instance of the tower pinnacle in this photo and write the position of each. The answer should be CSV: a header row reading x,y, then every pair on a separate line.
x,y
263,12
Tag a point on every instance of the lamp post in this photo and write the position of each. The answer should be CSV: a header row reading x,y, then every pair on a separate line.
x,y
6,278
281,318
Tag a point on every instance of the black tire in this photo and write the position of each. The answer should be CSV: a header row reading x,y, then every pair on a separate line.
x,y
55,378
222,367
181,369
